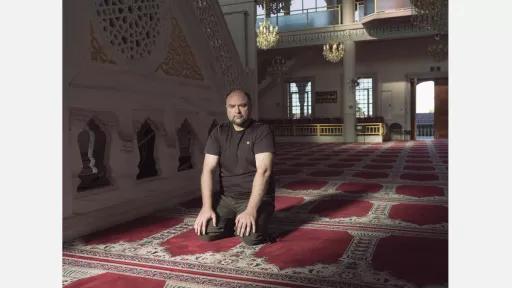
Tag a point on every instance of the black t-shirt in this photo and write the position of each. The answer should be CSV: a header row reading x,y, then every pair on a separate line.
x,y
237,162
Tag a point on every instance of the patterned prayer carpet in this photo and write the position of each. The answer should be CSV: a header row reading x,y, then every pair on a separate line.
x,y
379,219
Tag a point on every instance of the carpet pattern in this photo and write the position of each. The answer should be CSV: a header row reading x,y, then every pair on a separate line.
x,y
364,224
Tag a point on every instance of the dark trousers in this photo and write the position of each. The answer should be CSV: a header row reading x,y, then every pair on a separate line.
x,y
227,209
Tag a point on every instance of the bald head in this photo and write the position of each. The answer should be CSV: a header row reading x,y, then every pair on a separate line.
x,y
238,108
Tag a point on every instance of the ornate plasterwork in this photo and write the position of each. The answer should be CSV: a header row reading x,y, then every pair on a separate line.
x,y
341,34
180,60
131,27
210,24
98,53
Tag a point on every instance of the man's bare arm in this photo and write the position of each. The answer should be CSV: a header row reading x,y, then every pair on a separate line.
x,y
206,213
246,221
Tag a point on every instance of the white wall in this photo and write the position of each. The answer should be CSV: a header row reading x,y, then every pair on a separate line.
x,y
121,95
240,18
389,61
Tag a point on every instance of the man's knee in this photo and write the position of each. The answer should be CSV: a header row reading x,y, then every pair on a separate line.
x,y
212,236
254,239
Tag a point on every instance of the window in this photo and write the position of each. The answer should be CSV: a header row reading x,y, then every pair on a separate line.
x,y
364,97
294,105
298,7
358,11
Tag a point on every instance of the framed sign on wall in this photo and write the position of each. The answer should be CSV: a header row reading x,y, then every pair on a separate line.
x,y
322,97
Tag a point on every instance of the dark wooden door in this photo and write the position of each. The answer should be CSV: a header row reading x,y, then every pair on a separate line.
x,y
441,109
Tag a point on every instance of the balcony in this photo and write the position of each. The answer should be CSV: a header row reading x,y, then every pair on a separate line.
x,y
302,19
383,9
319,17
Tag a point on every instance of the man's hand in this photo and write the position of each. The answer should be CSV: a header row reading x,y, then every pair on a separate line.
x,y
202,219
245,222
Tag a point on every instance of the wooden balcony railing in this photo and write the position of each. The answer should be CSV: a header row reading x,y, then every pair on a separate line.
x,y
366,129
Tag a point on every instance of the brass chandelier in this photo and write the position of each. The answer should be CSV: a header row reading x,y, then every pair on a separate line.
x,y
333,52
432,15
267,35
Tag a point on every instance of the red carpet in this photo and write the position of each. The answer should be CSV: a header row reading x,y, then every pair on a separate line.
x,y
305,185
319,159
387,156
423,261
188,243
419,214
341,165
356,188
114,280
351,159
376,233
419,168
418,161
370,175
304,247
377,160
326,173
378,166
283,172
287,202
411,156
419,177
304,164
336,208
419,190
133,231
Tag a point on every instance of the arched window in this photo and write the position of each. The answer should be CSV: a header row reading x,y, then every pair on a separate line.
x,y
92,142
184,140
146,143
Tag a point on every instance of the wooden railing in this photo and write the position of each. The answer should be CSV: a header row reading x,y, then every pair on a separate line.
x,y
366,129
425,130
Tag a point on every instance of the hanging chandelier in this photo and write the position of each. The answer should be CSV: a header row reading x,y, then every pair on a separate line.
x,y
333,52
267,35
439,49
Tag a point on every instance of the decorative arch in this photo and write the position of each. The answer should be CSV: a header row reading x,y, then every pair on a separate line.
x,y
146,145
92,144
185,140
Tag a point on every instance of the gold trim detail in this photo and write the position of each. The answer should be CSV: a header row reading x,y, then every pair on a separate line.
x,y
98,54
366,129
180,60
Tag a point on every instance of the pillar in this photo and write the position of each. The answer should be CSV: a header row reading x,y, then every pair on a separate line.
x,y
348,11
349,96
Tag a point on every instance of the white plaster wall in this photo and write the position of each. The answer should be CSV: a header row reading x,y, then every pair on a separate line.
x,y
240,18
389,61
121,96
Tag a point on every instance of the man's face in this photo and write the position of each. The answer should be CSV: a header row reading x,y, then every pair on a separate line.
x,y
238,108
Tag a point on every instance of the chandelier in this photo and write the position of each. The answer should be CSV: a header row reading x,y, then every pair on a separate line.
x,y
431,15
439,49
267,35
333,52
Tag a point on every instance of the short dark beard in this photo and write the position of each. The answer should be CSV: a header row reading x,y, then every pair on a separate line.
x,y
244,124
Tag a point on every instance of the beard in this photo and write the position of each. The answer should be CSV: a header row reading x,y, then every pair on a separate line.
x,y
239,121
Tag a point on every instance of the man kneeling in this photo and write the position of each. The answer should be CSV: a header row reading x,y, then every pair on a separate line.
x,y
245,203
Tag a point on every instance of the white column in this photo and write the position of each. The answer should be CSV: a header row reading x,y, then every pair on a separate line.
x,y
349,96
348,11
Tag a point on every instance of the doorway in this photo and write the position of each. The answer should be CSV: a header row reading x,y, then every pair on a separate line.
x,y
425,110
429,122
